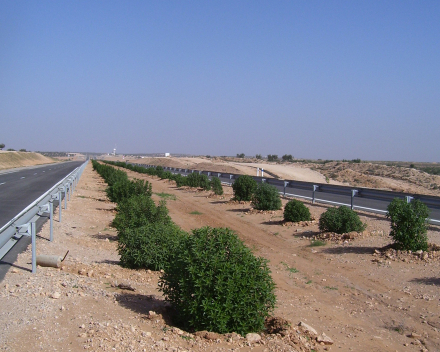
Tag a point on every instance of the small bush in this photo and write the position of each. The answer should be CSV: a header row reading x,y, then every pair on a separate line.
x,y
266,197
126,189
198,180
138,211
180,180
244,187
149,246
216,186
296,211
215,283
408,224
340,220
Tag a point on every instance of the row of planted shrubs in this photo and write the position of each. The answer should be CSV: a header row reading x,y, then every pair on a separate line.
x,y
195,179
210,277
408,220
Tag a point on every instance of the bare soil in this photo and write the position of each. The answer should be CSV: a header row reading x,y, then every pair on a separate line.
x,y
353,289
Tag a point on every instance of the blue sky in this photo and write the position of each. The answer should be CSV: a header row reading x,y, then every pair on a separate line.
x,y
315,79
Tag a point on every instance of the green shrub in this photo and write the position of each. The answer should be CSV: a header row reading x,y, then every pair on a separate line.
x,y
216,186
215,283
296,211
140,210
149,246
166,175
266,197
244,187
198,180
180,180
340,220
408,224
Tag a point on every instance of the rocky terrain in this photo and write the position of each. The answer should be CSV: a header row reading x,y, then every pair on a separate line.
x,y
343,293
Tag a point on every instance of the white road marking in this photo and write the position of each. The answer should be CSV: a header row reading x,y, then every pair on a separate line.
x,y
2,183
22,177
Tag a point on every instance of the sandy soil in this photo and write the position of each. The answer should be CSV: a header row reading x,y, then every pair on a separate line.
x,y
362,298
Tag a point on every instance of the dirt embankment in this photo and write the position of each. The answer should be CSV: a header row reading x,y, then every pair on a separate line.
x,y
371,175
10,160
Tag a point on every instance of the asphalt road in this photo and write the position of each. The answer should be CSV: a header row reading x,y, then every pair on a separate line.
x,y
20,188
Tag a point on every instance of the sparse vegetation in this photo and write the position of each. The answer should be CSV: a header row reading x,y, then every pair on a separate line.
x,y
272,157
240,155
317,243
408,224
296,211
287,157
340,220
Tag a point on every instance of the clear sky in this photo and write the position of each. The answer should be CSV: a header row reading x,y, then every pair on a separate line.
x,y
314,79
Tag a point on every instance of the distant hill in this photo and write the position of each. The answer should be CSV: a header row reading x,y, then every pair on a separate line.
x,y
13,159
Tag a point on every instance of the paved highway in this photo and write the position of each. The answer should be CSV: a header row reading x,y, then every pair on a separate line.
x,y
19,188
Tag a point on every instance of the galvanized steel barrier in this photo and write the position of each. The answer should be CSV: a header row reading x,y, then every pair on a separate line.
x,y
366,199
23,224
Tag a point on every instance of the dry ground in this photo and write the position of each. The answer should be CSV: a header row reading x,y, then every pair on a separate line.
x,y
364,301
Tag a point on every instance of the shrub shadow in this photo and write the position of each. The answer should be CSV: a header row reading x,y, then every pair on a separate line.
x,y
104,236
239,210
350,249
143,304
108,261
307,234
220,202
427,281
274,222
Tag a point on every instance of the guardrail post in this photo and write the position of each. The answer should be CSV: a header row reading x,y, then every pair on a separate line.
x,y
262,172
285,185
48,208
51,220
29,230
315,188
353,193
258,171
218,175
409,199
60,200
263,180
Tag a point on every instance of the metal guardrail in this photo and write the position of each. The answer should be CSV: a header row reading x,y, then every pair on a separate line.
x,y
365,199
23,224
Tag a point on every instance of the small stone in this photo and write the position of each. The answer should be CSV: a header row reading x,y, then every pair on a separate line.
x,y
308,328
253,337
90,273
14,271
414,335
324,339
55,295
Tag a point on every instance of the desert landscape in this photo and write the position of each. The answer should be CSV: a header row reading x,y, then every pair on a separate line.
x,y
354,289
